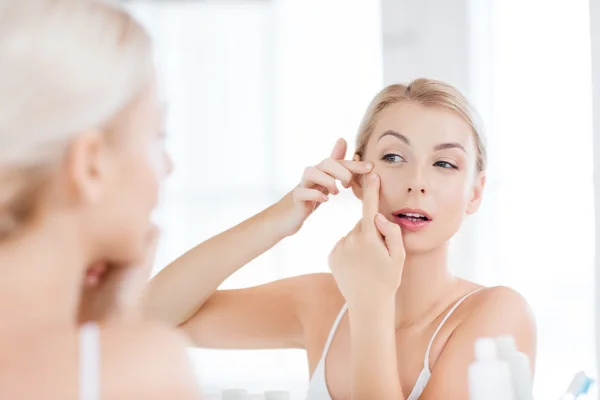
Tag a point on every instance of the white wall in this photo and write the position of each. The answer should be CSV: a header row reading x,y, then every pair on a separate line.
x,y
427,38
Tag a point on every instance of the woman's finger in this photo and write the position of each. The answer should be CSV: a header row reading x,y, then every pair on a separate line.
x,y
357,167
314,176
339,149
392,235
343,170
370,205
336,170
312,195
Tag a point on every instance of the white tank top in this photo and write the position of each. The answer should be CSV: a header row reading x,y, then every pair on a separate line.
x,y
89,362
317,389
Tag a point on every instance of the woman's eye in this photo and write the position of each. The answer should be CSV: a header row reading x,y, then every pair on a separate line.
x,y
392,158
445,164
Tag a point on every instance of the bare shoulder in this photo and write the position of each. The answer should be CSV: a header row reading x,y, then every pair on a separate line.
x,y
314,282
321,302
498,303
317,282
137,361
146,360
497,311
316,297
501,304
317,294
490,312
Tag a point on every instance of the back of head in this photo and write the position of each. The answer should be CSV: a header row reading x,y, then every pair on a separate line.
x,y
430,93
66,66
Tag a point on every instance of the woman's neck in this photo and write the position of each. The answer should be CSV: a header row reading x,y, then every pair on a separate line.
x,y
425,283
41,273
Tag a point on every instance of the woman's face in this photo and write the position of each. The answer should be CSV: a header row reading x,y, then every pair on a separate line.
x,y
134,168
426,158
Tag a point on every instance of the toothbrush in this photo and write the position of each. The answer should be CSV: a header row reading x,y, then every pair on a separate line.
x,y
579,385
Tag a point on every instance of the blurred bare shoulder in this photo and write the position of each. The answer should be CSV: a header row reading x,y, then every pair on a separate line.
x,y
146,360
137,361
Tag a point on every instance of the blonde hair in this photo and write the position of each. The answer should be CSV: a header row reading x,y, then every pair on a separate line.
x,y
427,92
66,66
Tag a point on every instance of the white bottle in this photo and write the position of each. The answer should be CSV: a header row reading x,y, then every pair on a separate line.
x,y
489,377
518,363
277,395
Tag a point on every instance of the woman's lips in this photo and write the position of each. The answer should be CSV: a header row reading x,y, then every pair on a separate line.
x,y
411,223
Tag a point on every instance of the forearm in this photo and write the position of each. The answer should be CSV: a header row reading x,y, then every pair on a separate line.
x,y
373,349
177,292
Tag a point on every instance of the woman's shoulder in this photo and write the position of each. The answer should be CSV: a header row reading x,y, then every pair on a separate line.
x,y
320,301
146,359
317,293
139,360
136,360
317,298
493,306
498,303
496,311
487,312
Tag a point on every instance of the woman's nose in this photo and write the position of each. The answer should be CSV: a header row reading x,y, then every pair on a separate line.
x,y
422,190
417,181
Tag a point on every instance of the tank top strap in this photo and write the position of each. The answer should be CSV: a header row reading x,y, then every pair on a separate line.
x,y
89,361
454,307
333,330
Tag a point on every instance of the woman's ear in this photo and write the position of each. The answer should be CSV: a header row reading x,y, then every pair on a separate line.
x,y
476,193
357,181
87,165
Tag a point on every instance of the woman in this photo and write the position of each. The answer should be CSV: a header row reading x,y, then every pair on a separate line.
x,y
81,162
390,322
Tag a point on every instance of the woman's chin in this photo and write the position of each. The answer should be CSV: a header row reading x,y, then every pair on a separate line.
x,y
417,246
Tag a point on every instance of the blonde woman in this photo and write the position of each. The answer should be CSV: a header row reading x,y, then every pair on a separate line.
x,y
81,162
390,322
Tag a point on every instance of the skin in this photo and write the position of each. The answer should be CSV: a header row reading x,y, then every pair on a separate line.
x,y
85,257
396,283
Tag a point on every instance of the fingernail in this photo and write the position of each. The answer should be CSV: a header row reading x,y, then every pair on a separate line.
x,y
369,165
381,218
373,177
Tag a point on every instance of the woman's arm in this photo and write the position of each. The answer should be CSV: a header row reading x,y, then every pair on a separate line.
x,y
185,294
176,293
268,316
499,311
373,348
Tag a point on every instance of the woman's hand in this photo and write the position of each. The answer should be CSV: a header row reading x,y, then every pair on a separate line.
x,y
114,291
317,183
367,264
